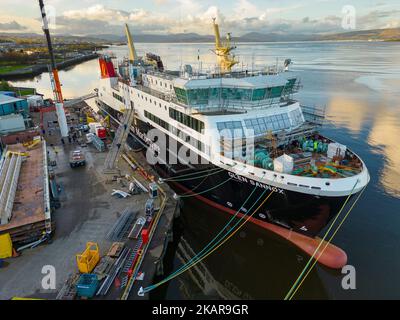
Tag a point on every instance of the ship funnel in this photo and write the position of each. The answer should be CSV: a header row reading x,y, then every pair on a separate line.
x,y
132,51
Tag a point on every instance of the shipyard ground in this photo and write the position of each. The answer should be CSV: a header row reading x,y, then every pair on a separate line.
x,y
87,213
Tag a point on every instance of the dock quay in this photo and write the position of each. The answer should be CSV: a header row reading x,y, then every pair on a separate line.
x,y
91,204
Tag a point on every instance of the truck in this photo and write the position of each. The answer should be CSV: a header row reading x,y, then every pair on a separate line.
x,y
77,159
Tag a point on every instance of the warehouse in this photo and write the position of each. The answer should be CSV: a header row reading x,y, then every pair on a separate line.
x,y
10,105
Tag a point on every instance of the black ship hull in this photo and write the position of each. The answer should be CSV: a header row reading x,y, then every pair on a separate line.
x,y
231,193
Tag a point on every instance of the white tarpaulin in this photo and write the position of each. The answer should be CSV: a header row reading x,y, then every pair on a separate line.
x,y
283,164
336,149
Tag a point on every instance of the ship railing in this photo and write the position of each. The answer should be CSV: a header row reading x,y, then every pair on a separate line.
x,y
236,105
314,114
215,72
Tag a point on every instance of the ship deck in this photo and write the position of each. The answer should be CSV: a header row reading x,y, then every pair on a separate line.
x,y
314,162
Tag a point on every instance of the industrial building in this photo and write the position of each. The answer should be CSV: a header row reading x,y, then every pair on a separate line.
x,y
14,114
10,105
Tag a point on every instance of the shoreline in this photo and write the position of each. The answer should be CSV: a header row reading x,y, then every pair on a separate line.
x,y
35,70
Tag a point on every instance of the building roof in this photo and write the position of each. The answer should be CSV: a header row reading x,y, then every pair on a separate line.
x,y
11,116
7,99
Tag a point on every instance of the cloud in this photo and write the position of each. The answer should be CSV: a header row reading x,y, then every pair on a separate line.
x,y
378,18
195,16
11,26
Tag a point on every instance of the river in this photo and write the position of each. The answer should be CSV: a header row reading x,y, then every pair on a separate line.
x,y
359,83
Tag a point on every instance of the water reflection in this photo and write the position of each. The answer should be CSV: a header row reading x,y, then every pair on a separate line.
x,y
76,81
347,112
253,264
384,135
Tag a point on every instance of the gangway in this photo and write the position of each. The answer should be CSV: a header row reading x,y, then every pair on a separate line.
x,y
119,139
75,101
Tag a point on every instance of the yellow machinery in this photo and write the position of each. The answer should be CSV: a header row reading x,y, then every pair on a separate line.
x,y
22,154
89,258
132,52
223,50
6,248
106,122
25,299
32,144
90,119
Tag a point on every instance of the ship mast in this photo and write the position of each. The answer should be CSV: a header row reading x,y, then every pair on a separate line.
x,y
223,50
132,50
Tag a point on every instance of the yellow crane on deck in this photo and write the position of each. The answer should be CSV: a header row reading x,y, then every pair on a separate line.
x,y
226,59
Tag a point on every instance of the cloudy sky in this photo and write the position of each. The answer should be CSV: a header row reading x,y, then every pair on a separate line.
x,y
88,17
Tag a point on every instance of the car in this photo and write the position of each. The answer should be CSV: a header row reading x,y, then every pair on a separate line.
x,y
77,159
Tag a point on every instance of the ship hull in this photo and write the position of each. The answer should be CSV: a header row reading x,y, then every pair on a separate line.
x,y
304,213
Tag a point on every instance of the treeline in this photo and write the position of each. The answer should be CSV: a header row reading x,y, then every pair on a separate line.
x,y
18,57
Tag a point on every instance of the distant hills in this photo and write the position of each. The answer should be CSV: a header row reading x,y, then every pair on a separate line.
x,y
378,34
392,34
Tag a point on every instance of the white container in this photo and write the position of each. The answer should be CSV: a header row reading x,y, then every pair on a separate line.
x,y
283,164
93,127
89,137
336,149
34,101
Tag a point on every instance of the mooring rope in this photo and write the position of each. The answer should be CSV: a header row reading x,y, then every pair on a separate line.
x,y
326,245
192,175
184,195
202,255
290,292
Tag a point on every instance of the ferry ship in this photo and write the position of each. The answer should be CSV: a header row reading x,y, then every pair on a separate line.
x,y
213,114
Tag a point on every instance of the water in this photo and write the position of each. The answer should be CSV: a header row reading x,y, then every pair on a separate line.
x,y
359,84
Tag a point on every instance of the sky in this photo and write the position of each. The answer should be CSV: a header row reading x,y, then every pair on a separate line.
x,y
88,17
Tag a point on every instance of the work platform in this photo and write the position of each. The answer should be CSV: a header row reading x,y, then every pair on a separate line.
x,y
31,208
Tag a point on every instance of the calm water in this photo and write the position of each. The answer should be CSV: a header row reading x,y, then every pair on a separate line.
x,y
359,83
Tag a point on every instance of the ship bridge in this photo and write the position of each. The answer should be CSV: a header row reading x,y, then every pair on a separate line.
x,y
210,94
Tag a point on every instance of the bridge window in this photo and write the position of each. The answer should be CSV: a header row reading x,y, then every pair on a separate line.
x,y
263,124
